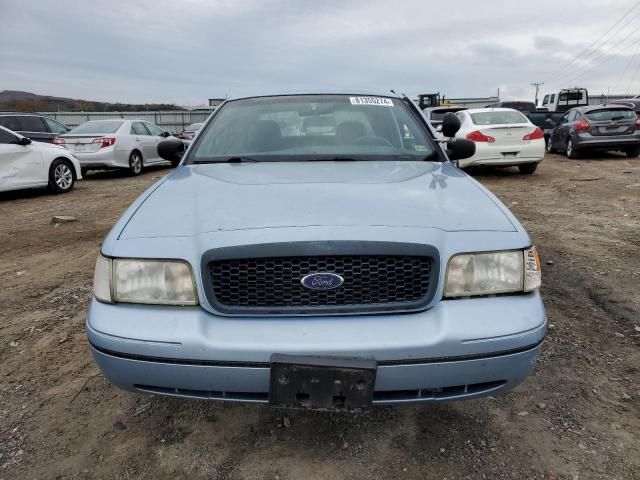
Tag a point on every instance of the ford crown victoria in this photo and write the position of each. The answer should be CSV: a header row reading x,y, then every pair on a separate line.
x,y
317,251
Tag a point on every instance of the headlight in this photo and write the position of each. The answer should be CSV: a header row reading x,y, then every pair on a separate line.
x,y
492,273
164,282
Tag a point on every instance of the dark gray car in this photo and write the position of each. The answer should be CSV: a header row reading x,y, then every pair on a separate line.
x,y
597,127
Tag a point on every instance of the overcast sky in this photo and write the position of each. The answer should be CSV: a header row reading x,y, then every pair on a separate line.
x,y
185,51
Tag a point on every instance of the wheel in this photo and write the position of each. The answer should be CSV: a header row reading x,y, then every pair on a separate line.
x,y
633,152
549,145
528,168
135,163
61,176
571,149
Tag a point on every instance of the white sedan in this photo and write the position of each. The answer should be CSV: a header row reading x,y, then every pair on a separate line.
x,y
27,164
503,137
130,144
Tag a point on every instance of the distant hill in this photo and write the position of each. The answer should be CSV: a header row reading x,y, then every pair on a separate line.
x,y
11,100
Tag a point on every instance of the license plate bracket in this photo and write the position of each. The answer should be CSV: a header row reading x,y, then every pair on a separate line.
x,y
321,383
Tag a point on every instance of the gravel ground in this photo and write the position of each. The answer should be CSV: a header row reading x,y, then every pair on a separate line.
x,y
576,417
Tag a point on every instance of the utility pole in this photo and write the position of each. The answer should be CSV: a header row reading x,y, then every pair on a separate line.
x,y
537,85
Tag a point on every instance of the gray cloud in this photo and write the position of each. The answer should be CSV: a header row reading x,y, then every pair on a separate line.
x,y
188,51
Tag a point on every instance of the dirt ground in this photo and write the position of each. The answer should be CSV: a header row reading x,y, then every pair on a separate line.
x,y
576,417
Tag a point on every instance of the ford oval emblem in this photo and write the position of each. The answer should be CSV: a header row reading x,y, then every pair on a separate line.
x,y
322,281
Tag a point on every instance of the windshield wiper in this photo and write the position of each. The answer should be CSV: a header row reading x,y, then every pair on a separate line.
x,y
335,159
238,159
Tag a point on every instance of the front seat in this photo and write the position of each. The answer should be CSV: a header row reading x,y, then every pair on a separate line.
x,y
265,136
348,132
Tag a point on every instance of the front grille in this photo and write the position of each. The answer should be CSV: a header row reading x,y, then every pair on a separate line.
x,y
273,284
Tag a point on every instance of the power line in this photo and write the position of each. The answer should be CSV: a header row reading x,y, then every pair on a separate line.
x,y
597,40
626,68
632,79
590,67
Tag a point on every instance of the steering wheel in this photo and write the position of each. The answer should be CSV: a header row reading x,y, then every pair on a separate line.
x,y
372,140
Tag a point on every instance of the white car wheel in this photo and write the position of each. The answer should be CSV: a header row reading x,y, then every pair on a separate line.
x,y
61,176
135,163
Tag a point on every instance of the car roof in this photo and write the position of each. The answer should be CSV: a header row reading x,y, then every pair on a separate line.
x,y
492,109
589,108
444,108
324,91
22,113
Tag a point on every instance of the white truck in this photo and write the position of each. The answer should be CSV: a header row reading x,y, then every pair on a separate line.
x,y
565,99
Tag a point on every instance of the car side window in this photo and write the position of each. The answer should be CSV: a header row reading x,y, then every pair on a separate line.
x,y
7,138
137,128
573,115
545,100
31,123
10,122
553,98
55,127
154,130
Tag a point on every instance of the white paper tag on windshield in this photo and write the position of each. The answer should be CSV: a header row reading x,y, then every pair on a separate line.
x,y
385,102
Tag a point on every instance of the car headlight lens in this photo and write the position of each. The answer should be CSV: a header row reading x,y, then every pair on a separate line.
x,y
492,273
102,279
532,270
163,282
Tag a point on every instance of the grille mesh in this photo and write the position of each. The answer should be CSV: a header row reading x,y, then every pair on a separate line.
x,y
274,282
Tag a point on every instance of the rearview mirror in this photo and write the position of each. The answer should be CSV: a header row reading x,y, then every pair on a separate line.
x,y
172,150
450,125
461,148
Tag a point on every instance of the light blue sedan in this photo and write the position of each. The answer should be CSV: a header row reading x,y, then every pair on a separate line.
x,y
317,251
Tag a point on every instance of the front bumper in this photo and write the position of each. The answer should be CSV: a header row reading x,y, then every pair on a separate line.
x,y
457,349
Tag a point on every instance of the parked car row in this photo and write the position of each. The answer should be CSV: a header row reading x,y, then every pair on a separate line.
x,y
496,131
37,151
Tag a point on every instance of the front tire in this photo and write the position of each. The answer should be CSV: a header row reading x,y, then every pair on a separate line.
x,y
549,145
571,149
632,152
135,163
527,168
62,176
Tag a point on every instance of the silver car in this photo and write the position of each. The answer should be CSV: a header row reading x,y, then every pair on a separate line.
x,y
130,144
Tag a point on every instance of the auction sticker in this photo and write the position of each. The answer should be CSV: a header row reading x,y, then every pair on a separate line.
x,y
385,102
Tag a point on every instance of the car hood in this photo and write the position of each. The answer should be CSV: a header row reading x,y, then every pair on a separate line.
x,y
206,198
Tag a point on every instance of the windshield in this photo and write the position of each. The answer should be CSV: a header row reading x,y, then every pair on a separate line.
x,y
98,127
498,118
313,127
610,114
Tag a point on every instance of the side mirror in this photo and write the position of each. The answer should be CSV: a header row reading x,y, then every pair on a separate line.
x,y
450,125
165,134
24,141
171,149
461,148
